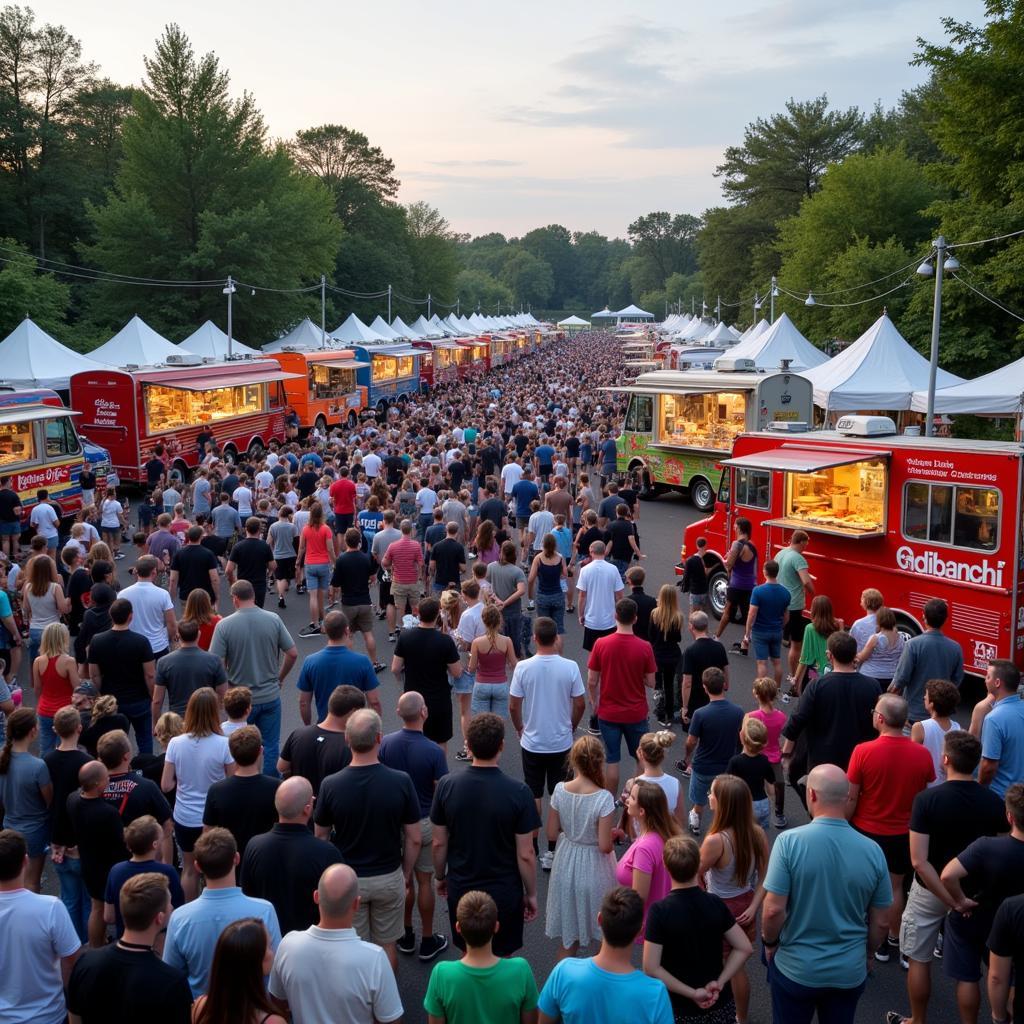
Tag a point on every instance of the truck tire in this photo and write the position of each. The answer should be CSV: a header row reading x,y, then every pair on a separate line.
x,y
907,626
351,421
320,423
718,583
702,494
255,451
182,471
231,454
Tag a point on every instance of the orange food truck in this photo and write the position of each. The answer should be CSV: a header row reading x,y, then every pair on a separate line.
x,y
323,390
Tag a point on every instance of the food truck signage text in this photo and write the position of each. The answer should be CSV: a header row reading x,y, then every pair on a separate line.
x,y
106,412
931,563
945,469
50,476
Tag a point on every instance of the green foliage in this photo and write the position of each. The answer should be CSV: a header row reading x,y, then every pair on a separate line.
x,y
528,277
729,244
478,289
433,252
553,245
23,292
663,245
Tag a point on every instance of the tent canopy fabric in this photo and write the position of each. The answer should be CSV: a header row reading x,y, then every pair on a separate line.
x,y
402,329
573,321
603,314
425,328
136,344
780,341
305,336
384,329
632,310
999,393
722,335
880,370
210,341
354,332
31,358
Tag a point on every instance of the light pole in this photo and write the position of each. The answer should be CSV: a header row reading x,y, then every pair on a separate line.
x,y
925,270
323,311
428,305
774,294
389,304
229,291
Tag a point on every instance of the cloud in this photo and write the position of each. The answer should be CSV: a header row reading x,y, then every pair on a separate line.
x,y
475,163
799,16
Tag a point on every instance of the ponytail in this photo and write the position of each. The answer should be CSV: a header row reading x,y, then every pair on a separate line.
x,y
20,724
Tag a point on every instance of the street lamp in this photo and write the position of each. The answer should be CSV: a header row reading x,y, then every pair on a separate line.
x,y
809,301
229,291
774,295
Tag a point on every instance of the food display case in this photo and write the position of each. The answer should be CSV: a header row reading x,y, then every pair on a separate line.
x,y
710,420
330,381
849,499
388,367
16,444
171,408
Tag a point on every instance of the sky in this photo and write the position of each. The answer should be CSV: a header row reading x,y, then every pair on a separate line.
x,y
586,113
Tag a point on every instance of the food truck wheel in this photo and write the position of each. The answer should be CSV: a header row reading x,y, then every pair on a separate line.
x,y
320,423
230,453
351,421
718,583
256,450
907,626
702,494
181,471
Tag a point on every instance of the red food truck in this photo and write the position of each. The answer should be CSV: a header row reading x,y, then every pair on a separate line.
x,y
916,517
478,358
130,411
440,364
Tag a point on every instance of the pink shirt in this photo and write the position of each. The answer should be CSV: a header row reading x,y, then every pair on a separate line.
x,y
774,722
646,855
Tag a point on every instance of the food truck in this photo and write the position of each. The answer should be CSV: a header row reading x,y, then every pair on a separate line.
x,y
442,361
323,390
40,449
501,349
679,424
393,372
133,409
479,358
916,517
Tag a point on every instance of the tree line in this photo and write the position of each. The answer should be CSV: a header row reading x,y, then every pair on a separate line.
x,y
178,179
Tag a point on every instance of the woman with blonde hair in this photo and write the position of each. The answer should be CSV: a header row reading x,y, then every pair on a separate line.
x,y
54,678
99,551
649,757
102,715
881,654
665,633
199,609
580,819
194,762
451,611
733,860
491,658
168,725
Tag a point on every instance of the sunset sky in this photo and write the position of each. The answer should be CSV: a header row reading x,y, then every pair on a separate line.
x,y
507,117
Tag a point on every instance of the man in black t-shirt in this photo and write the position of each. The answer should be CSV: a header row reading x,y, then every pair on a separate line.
x,y
373,815
318,750
130,792
427,656
704,652
352,573
252,559
1006,949
307,480
10,518
448,561
484,823
155,470
194,567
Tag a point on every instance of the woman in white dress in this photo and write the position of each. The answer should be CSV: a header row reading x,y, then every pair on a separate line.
x,y
580,819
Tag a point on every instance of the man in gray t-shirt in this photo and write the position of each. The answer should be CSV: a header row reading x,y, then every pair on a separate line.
x,y
251,642
182,672
226,521
382,539
508,582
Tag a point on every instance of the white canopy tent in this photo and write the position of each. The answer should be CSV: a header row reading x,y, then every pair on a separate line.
x,y
31,358
999,393
211,342
425,328
780,341
354,332
403,330
695,330
632,312
136,344
755,330
305,336
880,370
722,334
380,326
603,314
573,323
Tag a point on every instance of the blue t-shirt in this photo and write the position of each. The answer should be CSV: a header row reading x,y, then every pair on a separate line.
x,y
369,523
608,452
579,992
772,602
120,873
409,751
831,875
312,457
525,492
333,667
545,454
1002,740
717,726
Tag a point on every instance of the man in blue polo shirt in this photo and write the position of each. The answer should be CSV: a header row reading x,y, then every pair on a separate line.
x,y
1002,732
334,666
545,456
767,618
826,895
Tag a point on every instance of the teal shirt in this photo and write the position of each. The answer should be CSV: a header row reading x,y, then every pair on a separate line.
x,y
580,992
831,875
790,564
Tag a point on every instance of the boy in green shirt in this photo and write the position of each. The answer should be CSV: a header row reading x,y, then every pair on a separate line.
x,y
480,988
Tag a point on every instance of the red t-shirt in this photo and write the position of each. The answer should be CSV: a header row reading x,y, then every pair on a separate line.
x,y
316,544
343,494
623,661
404,557
890,771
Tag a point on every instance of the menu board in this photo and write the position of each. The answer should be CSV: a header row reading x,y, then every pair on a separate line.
x,y
848,499
173,408
16,443
702,421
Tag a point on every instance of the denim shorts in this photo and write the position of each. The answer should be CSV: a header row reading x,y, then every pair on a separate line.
x,y
767,646
492,697
700,787
318,577
37,838
10,529
464,684
612,734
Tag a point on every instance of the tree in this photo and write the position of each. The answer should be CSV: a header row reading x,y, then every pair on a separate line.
x,y
729,245
477,289
909,126
485,252
528,278
783,157
432,250
663,244
200,195
25,292
553,245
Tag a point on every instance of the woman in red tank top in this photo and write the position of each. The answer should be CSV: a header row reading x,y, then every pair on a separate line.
x,y
54,678
492,658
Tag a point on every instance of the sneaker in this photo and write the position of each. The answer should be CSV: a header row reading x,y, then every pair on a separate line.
x,y
695,823
379,666
592,727
895,1017
462,755
683,768
884,952
392,637
118,555
904,962
311,630
382,615
781,821
432,947
407,943
738,648
664,721
530,606
280,603
547,858
937,952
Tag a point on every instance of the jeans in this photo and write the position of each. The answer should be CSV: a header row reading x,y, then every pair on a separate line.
x,y
620,565
793,1003
267,718
513,622
490,697
665,682
74,895
552,606
139,713
422,525
34,637
47,737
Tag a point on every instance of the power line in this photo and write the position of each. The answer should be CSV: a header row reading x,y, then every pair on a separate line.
x,y
985,241
845,305
987,298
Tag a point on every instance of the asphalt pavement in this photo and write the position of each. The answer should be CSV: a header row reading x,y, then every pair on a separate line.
x,y
660,527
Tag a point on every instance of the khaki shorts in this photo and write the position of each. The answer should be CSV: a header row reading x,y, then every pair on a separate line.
x,y
425,861
405,591
381,913
360,617
922,920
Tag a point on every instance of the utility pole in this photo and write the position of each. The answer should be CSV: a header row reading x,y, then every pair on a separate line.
x,y
774,292
389,304
323,311
229,291
457,300
428,305
933,366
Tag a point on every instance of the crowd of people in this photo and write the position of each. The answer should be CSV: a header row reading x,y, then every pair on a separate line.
x,y
212,869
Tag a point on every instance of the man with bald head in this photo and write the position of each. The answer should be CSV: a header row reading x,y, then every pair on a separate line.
x,y
327,969
827,895
284,864
409,751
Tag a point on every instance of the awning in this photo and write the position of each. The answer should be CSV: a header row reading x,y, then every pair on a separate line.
x,y
21,413
410,351
803,460
234,380
341,364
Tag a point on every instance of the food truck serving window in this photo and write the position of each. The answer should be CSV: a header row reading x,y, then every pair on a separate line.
x,y
963,517
640,414
849,498
329,381
16,443
710,420
170,408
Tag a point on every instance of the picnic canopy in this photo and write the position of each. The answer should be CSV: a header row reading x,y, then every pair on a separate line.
x,y
305,336
210,341
31,358
136,344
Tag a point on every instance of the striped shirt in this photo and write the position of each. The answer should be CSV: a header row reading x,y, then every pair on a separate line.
x,y
405,557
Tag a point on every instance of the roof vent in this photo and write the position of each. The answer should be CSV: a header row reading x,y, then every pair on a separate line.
x,y
734,364
787,427
784,365
184,359
866,426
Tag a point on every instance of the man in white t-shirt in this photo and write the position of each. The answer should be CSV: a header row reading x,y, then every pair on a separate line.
x,y
371,465
546,703
152,608
511,474
598,588
327,967
45,521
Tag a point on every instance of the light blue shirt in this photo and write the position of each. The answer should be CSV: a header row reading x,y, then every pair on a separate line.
x,y
194,929
831,875
1002,740
580,992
